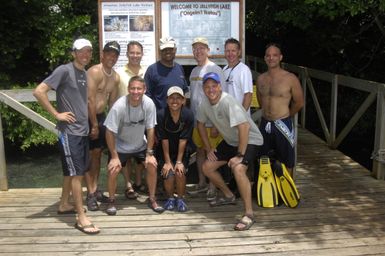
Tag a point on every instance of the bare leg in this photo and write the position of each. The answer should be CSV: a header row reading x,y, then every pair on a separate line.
x,y
151,177
92,176
126,171
244,187
200,158
77,193
65,195
180,185
169,186
209,168
112,183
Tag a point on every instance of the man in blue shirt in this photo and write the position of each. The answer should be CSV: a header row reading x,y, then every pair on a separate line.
x,y
164,73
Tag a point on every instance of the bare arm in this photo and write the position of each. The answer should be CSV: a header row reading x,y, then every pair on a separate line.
x,y
247,100
41,94
297,99
114,165
92,89
150,158
115,92
243,135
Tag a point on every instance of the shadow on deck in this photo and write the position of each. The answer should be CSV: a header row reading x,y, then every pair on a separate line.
x,y
341,213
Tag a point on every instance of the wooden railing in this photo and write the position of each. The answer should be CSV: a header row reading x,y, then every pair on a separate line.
x,y
306,75
13,98
375,90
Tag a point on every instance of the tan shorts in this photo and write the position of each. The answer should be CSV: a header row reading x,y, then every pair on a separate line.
x,y
199,143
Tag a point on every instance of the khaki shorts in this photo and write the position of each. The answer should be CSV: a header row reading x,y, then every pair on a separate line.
x,y
214,142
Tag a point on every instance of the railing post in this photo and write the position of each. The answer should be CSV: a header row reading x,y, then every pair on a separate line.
x,y
333,110
379,139
304,88
3,168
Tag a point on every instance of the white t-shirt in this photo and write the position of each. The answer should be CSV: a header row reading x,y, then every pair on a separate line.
x,y
226,115
130,123
196,83
238,81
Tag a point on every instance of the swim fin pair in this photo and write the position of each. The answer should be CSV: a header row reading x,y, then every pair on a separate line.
x,y
274,179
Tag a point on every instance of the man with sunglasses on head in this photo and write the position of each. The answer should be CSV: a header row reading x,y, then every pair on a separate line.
x,y
239,81
130,134
174,128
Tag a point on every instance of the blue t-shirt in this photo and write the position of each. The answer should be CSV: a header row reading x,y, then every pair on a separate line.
x,y
160,78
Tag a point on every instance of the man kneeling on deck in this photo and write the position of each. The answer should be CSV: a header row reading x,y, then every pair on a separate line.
x,y
240,145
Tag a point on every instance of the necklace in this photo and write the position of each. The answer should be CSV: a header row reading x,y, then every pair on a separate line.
x,y
110,74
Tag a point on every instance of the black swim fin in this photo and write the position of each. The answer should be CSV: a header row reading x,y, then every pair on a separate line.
x,y
285,185
267,195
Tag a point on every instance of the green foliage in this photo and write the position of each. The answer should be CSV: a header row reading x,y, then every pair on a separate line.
x,y
22,131
37,36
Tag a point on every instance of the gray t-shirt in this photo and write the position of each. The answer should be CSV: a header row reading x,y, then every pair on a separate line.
x,y
226,115
130,123
70,85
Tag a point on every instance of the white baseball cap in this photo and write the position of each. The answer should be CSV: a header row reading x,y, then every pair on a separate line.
x,y
81,43
175,89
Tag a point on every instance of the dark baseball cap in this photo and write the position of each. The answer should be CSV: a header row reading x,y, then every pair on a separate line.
x,y
112,46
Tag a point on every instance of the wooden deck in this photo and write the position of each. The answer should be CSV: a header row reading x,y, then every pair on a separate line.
x,y
342,212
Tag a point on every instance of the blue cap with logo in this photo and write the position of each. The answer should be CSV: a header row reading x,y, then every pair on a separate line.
x,y
213,76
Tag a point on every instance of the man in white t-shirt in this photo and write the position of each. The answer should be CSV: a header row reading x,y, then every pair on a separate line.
x,y
239,81
200,47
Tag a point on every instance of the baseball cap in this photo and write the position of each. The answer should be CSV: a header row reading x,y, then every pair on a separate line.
x,y
167,42
175,89
80,43
202,40
112,46
213,76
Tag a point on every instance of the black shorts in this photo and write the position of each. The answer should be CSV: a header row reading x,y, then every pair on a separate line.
x,y
74,152
100,141
139,157
225,152
277,141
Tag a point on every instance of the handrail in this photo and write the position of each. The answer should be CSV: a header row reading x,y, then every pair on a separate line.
x,y
375,90
12,98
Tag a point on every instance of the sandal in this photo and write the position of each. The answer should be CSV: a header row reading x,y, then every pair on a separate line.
x,y
130,193
152,204
244,223
219,201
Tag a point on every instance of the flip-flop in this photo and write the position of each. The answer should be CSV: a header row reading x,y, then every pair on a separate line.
x,y
246,221
152,204
72,211
84,229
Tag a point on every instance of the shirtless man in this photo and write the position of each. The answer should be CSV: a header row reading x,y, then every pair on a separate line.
x,y
281,97
103,88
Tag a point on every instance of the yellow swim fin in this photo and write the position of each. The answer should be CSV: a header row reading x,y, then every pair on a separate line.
x,y
267,195
286,186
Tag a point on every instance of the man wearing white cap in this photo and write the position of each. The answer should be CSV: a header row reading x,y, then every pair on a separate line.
x,y
70,83
174,129
165,73
200,47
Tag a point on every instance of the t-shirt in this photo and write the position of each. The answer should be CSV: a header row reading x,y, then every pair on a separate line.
x,y
196,83
129,123
70,85
160,78
125,75
225,116
166,129
238,81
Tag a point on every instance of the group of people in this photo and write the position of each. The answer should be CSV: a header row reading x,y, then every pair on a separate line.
x,y
143,118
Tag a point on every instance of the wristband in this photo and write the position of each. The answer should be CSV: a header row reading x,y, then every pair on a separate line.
x,y
239,154
150,152
179,162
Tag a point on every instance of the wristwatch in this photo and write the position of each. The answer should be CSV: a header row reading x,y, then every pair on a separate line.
x,y
239,154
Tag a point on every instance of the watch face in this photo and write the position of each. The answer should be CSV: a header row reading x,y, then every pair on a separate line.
x,y
245,162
